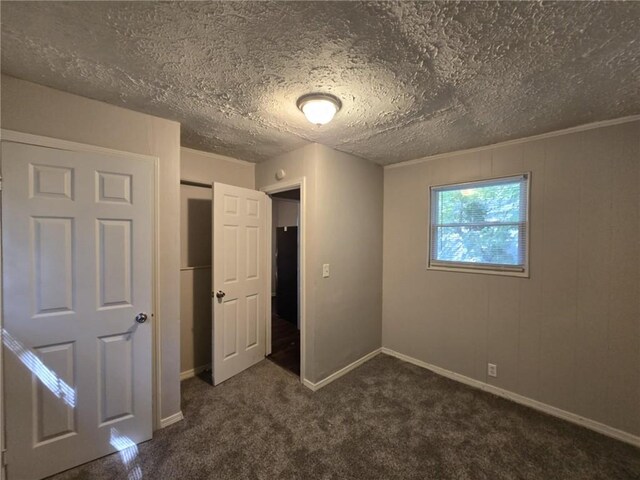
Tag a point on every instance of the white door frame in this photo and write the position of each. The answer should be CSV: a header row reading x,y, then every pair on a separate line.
x,y
42,141
269,190
3,468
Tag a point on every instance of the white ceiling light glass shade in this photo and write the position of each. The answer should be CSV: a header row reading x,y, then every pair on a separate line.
x,y
319,108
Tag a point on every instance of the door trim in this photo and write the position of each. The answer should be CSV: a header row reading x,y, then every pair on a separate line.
x,y
49,142
282,187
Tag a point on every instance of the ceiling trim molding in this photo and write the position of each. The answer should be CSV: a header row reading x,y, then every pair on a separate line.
x,y
557,133
217,156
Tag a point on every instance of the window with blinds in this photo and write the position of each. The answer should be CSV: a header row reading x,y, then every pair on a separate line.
x,y
481,225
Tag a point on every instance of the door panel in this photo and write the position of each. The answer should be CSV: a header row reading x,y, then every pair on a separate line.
x,y
239,256
77,246
54,416
230,325
253,316
115,366
114,252
49,181
52,250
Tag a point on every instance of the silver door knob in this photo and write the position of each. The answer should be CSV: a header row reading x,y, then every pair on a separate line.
x,y
141,317
220,294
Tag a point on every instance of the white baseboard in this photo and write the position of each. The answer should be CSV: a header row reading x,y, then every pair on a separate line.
x,y
543,407
194,371
170,420
334,376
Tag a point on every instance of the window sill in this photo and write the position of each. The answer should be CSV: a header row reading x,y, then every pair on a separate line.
x,y
482,271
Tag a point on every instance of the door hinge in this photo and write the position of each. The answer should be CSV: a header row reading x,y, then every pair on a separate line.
x,y
4,458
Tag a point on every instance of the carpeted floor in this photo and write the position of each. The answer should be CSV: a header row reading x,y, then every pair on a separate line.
x,y
385,420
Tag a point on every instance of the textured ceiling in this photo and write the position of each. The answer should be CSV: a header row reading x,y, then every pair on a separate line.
x,y
415,79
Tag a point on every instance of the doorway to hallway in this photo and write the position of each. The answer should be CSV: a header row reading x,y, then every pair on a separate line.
x,y
285,305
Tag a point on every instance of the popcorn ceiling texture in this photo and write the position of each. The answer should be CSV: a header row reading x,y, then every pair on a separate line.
x,y
415,79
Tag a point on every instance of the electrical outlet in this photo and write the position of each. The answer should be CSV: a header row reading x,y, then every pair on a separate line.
x,y
492,370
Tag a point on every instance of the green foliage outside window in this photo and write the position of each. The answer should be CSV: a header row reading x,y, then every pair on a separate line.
x,y
481,223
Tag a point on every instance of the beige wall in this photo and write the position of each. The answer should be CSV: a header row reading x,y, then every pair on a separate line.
x,y
344,229
30,108
208,167
569,336
349,303
195,233
285,212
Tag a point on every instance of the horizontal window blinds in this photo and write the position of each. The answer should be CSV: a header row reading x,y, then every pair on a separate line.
x,y
480,224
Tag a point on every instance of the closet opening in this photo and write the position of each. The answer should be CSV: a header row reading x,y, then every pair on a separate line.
x,y
195,279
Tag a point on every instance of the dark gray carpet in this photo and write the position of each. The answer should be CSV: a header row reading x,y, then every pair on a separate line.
x,y
385,420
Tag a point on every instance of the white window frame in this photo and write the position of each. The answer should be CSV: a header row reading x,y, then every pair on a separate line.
x,y
468,267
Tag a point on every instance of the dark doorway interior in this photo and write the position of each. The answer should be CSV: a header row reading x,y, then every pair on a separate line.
x,y
285,343
285,327
287,274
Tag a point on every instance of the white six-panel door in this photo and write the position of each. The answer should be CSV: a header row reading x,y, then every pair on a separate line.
x,y
77,240
239,279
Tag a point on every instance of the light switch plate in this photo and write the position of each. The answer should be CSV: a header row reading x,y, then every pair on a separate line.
x,y
325,270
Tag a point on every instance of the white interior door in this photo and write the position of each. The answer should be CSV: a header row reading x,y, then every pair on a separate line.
x,y
77,240
239,279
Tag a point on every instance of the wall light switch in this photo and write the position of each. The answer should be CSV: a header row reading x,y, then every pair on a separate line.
x,y
492,370
325,270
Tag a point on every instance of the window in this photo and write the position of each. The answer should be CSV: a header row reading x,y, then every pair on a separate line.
x,y
481,226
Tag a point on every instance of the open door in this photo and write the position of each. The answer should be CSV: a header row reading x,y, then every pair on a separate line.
x,y
239,283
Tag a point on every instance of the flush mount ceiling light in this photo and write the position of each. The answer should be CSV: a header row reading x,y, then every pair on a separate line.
x,y
319,108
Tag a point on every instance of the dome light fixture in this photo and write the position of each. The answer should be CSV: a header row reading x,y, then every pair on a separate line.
x,y
319,108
